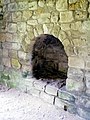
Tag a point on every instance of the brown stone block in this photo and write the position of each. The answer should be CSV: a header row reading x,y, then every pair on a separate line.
x,y
2,37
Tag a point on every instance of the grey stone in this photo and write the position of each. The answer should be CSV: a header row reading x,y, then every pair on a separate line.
x,y
22,55
34,92
85,113
51,89
7,45
40,85
47,98
12,7
12,27
1,67
74,73
6,1
66,96
67,106
22,5
33,5
16,46
21,26
75,85
61,5
86,25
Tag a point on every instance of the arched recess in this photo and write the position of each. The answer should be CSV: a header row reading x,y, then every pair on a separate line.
x,y
49,60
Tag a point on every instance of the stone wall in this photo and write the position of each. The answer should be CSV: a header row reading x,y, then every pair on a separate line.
x,y
68,20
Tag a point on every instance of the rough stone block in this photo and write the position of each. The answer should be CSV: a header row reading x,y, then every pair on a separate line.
x,y
26,15
33,5
44,18
66,96
80,15
66,17
12,27
16,46
22,55
16,16
15,63
72,1
85,113
54,17
7,45
12,7
61,5
74,73
6,62
86,25
75,85
5,52
65,105
22,5
32,22
40,85
12,53
76,62
21,26
1,68
34,92
47,98
51,89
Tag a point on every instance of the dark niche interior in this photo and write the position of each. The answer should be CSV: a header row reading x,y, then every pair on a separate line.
x,y
49,60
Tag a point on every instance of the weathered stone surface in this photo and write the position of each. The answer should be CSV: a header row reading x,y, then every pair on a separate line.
x,y
65,27
61,5
22,5
12,27
76,62
6,62
16,16
66,17
5,1
72,1
80,15
89,8
44,18
2,37
26,15
15,63
7,45
41,3
12,7
51,89
85,113
22,55
33,5
34,92
1,67
65,105
47,98
87,75
5,53
21,26
66,96
16,46
9,37
86,25
12,53
54,17
40,85
32,22
74,73
76,26
75,85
